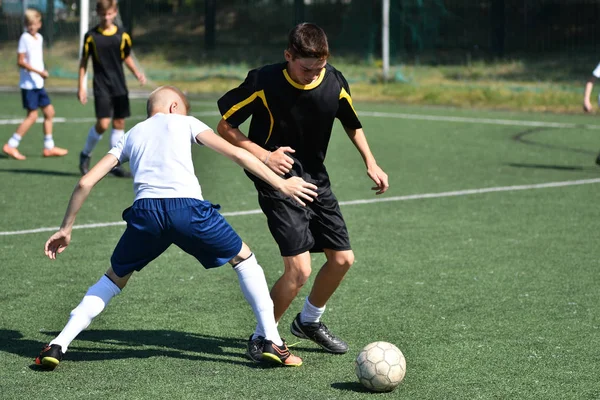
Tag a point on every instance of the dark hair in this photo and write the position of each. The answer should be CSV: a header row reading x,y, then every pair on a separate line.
x,y
308,40
105,5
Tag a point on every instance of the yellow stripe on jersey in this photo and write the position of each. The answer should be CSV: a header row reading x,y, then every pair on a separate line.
x,y
242,104
86,48
345,95
311,85
125,39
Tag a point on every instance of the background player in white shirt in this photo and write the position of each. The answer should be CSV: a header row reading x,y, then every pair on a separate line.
x,y
30,57
587,105
169,209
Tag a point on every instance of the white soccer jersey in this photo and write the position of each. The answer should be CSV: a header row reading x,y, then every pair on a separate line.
x,y
159,151
33,48
596,72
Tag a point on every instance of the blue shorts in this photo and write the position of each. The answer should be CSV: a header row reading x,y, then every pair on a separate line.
x,y
193,225
34,98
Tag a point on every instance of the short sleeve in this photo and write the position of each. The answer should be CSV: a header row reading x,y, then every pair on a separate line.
x,y
85,50
125,45
22,47
197,126
596,72
119,149
237,105
346,112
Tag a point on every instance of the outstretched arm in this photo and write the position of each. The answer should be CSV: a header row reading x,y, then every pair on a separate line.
x,y
357,136
57,243
278,160
294,187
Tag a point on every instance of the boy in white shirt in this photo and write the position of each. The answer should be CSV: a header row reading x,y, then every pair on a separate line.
x,y
169,209
31,60
587,104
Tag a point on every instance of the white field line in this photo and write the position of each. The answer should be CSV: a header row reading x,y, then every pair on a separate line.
x,y
466,192
61,120
420,117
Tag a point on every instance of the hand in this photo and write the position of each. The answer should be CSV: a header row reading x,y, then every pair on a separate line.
x,y
587,106
57,244
279,162
44,74
141,78
379,177
82,95
298,189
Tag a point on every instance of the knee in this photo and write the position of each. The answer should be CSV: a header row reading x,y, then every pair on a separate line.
x,y
343,259
32,114
49,113
102,126
299,276
119,124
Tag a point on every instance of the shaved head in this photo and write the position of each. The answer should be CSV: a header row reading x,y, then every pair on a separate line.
x,y
167,100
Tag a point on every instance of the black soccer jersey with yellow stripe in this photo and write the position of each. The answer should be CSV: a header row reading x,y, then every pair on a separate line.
x,y
285,113
108,48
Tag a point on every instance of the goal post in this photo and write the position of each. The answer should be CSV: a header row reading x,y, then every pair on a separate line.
x,y
84,23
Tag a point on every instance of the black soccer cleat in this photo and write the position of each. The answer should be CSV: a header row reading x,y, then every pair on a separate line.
x,y
50,356
598,160
318,333
255,348
84,163
279,355
120,172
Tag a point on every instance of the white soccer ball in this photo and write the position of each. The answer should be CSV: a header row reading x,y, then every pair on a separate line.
x,y
380,366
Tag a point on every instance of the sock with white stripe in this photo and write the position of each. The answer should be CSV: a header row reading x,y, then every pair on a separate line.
x,y
48,142
15,140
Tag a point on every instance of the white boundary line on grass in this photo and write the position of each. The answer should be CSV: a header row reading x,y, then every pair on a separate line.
x,y
376,114
355,202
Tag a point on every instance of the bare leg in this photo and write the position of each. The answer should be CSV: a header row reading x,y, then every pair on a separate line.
x,y
330,276
296,273
27,122
48,116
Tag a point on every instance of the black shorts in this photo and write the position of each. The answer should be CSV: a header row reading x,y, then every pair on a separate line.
x,y
112,106
297,229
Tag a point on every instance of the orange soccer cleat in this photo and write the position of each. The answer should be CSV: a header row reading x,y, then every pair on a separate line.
x,y
55,152
13,152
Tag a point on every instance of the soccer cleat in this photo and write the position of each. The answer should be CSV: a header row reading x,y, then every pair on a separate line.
x,y
318,333
13,152
255,348
84,163
55,152
50,356
598,160
279,355
120,172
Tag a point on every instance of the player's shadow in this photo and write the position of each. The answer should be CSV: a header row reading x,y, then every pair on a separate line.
x,y
551,166
39,172
138,344
350,387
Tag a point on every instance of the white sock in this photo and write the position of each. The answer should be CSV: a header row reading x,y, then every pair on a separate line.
x,y
48,142
92,140
14,140
94,301
115,136
255,289
310,313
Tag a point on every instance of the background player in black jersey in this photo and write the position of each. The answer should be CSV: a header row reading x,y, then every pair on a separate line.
x,y
293,106
109,47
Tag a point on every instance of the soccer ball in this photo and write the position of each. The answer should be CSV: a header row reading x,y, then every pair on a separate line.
x,y
380,366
